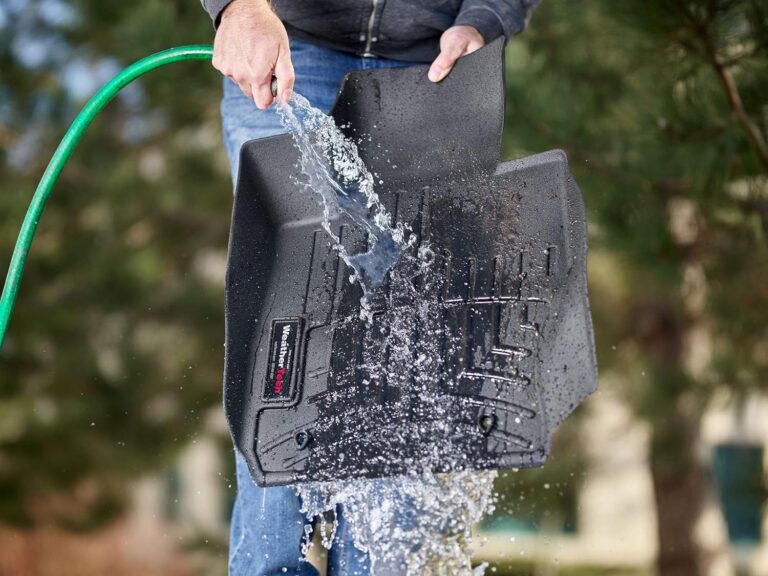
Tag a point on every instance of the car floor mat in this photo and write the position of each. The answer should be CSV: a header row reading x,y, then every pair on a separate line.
x,y
472,357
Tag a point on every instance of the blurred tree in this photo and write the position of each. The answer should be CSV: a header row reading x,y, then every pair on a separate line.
x,y
115,349
661,108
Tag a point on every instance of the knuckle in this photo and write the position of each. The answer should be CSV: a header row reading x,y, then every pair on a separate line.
x,y
257,76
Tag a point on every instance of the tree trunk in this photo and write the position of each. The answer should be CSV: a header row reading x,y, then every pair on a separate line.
x,y
681,485
682,482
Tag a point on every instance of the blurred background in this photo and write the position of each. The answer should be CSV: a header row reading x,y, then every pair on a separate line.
x,y
114,455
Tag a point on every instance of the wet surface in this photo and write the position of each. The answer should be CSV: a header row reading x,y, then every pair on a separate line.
x,y
404,315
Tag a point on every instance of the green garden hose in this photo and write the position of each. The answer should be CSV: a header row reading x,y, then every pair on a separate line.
x,y
64,151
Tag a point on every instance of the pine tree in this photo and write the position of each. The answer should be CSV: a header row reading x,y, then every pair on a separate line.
x,y
115,349
661,108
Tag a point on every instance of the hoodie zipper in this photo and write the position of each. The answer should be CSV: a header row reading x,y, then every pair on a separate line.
x,y
369,31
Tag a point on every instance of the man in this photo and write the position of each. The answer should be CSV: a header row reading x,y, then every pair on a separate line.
x,y
311,45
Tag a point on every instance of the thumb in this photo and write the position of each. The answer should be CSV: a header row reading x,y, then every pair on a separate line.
x,y
285,75
449,53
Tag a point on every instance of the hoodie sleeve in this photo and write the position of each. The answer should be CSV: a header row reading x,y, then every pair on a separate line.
x,y
494,18
215,8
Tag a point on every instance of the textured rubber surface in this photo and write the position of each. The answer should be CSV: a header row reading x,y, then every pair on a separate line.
x,y
510,249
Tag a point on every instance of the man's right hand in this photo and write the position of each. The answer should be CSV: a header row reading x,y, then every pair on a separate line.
x,y
250,45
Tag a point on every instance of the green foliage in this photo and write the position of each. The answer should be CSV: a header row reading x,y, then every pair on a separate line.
x,y
654,103
115,350
634,92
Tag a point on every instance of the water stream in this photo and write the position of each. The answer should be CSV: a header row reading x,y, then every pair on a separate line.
x,y
419,523
336,174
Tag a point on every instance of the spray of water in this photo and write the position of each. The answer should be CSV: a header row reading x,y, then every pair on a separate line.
x,y
419,523
336,174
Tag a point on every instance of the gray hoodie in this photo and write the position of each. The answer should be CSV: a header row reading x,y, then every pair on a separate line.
x,y
400,29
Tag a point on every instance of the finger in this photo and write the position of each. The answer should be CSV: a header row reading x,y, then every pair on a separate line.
x,y
444,62
285,75
260,78
245,88
221,64
472,45
262,94
217,60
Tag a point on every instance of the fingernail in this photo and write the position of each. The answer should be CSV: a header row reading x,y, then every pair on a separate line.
x,y
286,95
435,74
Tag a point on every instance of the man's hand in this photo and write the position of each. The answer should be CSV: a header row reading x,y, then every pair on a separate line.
x,y
251,43
455,42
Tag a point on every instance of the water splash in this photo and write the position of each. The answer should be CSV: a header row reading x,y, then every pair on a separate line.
x,y
419,523
335,172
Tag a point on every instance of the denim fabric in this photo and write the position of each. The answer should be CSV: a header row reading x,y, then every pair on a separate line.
x,y
319,72
267,527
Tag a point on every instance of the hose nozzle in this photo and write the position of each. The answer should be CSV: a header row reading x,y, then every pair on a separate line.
x,y
273,86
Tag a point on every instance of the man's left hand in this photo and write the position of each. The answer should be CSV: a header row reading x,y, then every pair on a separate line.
x,y
455,42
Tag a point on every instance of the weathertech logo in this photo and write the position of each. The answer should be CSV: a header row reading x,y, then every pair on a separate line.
x,y
282,352
280,375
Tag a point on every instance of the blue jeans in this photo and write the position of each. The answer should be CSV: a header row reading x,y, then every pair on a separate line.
x,y
267,527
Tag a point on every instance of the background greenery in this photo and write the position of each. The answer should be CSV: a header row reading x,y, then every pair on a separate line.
x,y
115,350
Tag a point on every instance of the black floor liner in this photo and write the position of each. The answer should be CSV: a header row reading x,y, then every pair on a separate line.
x,y
505,351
